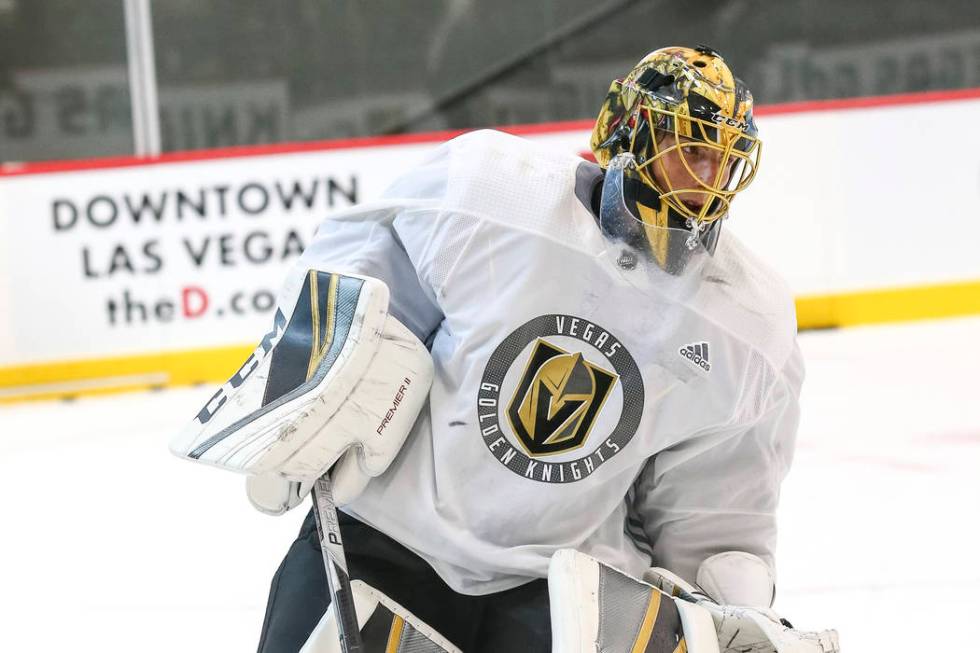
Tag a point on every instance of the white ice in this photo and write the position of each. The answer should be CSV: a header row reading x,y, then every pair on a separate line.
x,y
109,543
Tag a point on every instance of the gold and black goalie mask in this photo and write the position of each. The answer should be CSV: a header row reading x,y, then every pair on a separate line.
x,y
682,109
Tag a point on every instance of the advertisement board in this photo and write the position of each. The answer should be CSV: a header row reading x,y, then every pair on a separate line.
x,y
123,273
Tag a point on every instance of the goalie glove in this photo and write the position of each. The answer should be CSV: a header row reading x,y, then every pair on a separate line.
x,y
337,378
737,578
274,495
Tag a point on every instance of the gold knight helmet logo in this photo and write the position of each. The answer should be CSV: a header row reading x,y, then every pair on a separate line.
x,y
557,400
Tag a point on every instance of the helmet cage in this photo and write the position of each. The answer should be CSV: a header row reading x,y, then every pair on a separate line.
x,y
655,129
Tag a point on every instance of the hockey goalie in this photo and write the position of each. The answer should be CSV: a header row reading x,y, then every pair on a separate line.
x,y
552,400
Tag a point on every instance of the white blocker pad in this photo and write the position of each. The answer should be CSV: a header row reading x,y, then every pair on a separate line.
x,y
597,608
385,626
335,372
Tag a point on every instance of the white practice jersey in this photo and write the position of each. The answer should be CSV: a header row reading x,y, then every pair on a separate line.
x,y
569,408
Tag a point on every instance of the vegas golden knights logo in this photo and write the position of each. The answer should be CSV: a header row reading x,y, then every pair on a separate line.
x,y
557,400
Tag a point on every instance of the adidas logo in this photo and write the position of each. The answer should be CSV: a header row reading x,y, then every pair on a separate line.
x,y
697,353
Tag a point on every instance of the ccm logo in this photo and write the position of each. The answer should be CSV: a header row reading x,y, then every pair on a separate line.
x,y
730,122
394,405
221,396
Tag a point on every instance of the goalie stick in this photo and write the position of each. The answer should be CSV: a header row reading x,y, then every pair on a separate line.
x,y
332,548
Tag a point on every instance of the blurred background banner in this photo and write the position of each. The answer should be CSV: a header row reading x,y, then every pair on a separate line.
x,y
161,164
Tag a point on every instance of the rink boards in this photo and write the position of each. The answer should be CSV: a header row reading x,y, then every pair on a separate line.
x,y
131,273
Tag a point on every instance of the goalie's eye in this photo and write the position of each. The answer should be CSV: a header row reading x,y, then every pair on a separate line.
x,y
699,152
692,150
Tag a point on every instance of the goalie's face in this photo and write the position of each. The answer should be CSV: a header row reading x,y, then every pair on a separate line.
x,y
696,168
686,169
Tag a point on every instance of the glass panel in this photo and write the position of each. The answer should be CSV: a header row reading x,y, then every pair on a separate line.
x,y
239,72
64,91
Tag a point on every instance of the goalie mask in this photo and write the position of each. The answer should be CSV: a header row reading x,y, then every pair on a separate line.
x,y
685,123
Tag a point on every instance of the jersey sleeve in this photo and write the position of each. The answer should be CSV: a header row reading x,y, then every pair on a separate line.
x,y
364,240
719,491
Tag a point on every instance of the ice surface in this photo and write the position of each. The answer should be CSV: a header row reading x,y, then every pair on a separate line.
x,y
109,543
880,515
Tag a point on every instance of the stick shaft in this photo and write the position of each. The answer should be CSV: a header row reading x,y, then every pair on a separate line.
x,y
332,547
